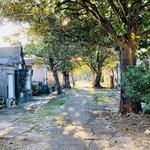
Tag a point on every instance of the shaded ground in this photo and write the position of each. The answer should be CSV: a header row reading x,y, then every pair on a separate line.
x,y
82,119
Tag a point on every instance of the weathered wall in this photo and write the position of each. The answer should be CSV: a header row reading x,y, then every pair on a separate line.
x,y
4,72
39,74
42,74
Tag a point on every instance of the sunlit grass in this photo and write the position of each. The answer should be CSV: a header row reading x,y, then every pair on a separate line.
x,y
54,103
47,109
46,114
102,97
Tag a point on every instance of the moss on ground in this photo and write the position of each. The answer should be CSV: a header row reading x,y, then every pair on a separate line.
x,y
49,107
102,96
56,102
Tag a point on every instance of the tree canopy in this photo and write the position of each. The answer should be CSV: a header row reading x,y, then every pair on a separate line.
x,y
126,21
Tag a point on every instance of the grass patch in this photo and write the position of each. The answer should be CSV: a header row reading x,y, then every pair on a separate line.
x,y
46,114
100,98
111,95
49,107
56,102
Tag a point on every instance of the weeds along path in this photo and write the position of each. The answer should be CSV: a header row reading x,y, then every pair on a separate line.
x,y
74,121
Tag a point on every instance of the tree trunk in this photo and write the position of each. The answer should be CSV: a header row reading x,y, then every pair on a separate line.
x,y
128,58
66,81
112,84
58,87
55,74
73,80
98,78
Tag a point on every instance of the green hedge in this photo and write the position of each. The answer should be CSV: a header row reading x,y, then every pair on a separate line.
x,y
136,83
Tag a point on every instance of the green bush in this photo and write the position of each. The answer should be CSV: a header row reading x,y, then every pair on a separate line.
x,y
136,83
146,109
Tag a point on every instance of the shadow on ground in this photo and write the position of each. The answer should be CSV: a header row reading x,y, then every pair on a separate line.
x,y
77,120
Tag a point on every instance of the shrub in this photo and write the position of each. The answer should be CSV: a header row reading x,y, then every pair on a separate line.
x,y
136,83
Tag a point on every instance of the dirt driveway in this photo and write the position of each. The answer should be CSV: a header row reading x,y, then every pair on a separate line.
x,y
77,120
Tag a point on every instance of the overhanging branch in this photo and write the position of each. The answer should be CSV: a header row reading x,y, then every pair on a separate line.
x,y
119,13
145,33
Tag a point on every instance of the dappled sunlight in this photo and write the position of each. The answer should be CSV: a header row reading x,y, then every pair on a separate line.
x,y
5,129
77,114
83,135
84,102
72,128
71,109
77,94
71,121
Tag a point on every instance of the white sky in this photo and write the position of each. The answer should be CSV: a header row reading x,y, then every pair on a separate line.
x,y
7,29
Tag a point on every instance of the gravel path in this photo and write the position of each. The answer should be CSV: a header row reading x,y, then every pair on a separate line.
x,y
78,124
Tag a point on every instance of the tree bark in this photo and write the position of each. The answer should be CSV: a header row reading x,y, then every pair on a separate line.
x,y
55,74
58,86
128,58
66,81
94,77
98,78
112,84
73,80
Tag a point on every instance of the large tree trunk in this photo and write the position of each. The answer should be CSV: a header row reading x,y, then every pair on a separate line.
x,y
98,78
58,86
55,74
66,81
128,58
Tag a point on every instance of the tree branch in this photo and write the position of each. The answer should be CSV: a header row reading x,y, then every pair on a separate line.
x,y
137,9
145,33
92,9
146,4
120,14
124,6
91,67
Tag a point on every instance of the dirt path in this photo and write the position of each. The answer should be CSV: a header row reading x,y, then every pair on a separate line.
x,y
74,121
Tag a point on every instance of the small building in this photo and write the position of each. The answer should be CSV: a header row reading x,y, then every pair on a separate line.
x,y
11,64
15,86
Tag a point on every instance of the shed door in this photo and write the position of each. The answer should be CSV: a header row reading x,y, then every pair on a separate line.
x,y
10,86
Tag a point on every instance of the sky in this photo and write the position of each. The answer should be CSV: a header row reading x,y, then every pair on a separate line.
x,y
17,32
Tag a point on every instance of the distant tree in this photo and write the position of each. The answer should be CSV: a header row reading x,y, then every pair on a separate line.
x,y
59,53
95,58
